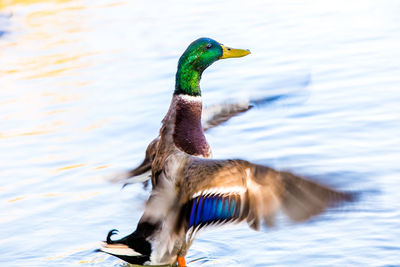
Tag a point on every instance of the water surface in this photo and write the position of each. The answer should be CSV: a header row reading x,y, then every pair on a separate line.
x,y
85,84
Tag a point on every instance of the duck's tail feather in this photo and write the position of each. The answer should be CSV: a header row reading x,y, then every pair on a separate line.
x,y
118,249
130,248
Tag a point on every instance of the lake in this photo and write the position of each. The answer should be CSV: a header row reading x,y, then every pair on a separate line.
x,y
84,86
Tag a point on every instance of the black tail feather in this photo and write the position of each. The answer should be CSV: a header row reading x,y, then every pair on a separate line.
x,y
111,233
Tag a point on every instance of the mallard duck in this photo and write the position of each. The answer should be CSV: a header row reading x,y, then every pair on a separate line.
x,y
192,191
215,115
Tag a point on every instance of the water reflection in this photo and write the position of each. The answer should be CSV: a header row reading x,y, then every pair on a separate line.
x,y
4,22
84,86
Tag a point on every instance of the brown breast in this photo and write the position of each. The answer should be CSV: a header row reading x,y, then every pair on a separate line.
x,y
188,134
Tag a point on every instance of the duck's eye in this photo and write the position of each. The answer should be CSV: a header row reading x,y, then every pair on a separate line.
x,y
208,46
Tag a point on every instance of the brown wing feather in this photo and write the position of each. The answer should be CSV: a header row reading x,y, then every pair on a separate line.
x,y
298,197
221,113
303,198
145,166
148,160
266,190
215,115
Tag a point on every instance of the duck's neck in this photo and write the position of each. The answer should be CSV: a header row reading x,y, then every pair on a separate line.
x,y
188,133
187,79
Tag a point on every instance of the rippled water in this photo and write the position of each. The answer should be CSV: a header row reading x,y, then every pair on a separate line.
x,y
84,85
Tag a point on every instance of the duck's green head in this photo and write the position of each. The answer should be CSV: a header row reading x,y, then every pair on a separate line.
x,y
198,56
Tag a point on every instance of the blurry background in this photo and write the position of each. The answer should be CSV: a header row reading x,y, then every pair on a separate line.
x,y
85,84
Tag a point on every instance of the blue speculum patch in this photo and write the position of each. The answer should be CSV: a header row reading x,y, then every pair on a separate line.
x,y
207,209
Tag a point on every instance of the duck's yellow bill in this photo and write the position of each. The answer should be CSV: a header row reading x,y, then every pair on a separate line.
x,y
228,52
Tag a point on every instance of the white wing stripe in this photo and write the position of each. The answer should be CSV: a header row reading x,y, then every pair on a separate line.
x,y
221,191
120,251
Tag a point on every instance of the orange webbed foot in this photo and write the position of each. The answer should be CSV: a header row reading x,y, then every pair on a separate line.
x,y
181,261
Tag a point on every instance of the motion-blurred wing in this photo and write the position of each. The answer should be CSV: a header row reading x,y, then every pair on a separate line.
x,y
236,190
217,114
140,173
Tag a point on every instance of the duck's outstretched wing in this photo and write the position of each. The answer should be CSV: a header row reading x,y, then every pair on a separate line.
x,y
141,172
215,115
220,191
145,166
